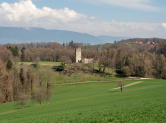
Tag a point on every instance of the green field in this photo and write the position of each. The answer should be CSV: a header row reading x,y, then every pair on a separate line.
x,y
95,102
42,63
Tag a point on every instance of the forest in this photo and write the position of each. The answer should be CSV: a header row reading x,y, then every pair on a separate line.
x,y
20,84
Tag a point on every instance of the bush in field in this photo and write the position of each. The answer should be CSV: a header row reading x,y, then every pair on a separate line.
x,y
63,65
36,62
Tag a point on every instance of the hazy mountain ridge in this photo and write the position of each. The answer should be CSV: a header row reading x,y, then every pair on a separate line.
x,y
15,35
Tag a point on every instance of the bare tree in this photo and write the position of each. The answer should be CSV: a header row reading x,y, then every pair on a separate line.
x,y
40,94
121,84
22,99
40,88
48,89
30,80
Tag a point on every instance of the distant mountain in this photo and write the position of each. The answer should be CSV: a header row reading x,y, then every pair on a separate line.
x,y
107,39
16,35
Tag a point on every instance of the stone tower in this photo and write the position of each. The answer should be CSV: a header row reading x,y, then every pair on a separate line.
x,y
78,55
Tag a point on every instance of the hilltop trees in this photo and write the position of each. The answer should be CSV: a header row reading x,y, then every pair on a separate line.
x,y
117,54
133,61
14,50
160,67
160,48
120,58
145,65
5,54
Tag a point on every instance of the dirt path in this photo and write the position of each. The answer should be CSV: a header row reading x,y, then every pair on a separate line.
x,y
8,112
128,85
75,82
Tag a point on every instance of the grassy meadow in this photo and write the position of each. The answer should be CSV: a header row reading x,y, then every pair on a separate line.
x,y
93,102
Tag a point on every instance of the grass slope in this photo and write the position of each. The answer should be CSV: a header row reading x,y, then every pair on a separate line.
x,y
95,103
57,77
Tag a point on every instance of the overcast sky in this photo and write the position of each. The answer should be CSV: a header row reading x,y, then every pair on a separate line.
x,y
130,18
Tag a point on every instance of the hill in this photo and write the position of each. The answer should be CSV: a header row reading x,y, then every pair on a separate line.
x,y
141,40
16,35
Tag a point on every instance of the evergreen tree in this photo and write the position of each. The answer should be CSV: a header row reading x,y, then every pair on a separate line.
x,y
14,50
9,65
22,54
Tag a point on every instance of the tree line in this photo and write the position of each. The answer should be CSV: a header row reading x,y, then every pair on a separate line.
x,y
136,60
21,84
139,61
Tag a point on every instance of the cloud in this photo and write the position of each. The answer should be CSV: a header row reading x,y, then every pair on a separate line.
x,y
164,25
129,29
144,5
25,14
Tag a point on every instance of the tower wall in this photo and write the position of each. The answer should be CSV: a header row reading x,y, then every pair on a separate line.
x,y
78,55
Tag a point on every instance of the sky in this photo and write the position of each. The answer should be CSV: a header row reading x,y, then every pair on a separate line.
x,y
127,18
